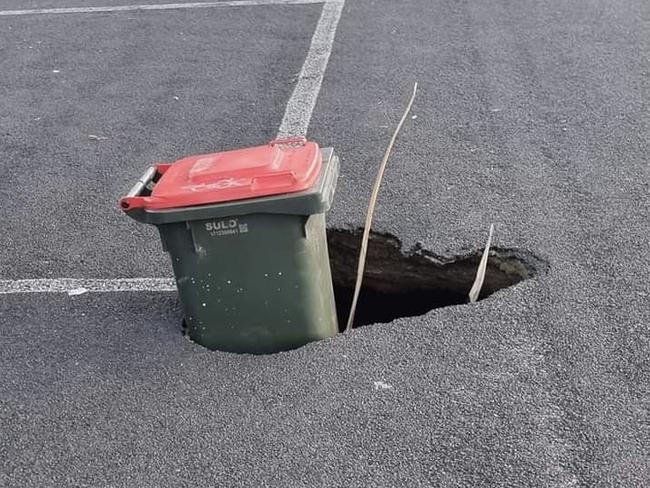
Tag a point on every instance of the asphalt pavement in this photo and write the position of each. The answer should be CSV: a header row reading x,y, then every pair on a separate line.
x,y
530,115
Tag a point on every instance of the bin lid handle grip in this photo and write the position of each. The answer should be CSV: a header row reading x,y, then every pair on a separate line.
x,y
298,140
134,199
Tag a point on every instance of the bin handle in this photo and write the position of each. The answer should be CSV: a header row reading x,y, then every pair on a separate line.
x,y
302,140
142,182
133,199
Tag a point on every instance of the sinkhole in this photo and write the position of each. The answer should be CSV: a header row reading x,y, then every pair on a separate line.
x,y
400,283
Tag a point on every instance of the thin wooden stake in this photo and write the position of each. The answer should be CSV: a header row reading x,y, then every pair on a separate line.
x,y
480,273
371,211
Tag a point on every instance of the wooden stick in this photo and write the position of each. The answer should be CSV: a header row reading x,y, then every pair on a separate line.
x,y
371,211
480,273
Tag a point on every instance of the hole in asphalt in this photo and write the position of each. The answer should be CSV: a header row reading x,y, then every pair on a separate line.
x,y
406,284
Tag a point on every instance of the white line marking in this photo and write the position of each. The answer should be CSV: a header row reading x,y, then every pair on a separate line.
x,y
163,6
303,99
295,122
67,285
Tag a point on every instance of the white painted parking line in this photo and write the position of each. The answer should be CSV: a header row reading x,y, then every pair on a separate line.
x,y
303,99
163,6
66,285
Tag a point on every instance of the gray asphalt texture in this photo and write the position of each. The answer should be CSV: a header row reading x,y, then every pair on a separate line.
x,y
530,115
157,86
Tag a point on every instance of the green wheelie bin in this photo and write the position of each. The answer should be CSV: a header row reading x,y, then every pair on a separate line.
x,y
245,231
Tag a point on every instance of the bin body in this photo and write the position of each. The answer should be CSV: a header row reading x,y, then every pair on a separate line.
x,y
253,274
263,290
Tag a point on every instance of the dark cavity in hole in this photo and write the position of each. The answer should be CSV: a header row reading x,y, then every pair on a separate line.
x,y
406,284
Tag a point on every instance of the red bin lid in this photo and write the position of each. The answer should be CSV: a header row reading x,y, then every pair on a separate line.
x,y
281,166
